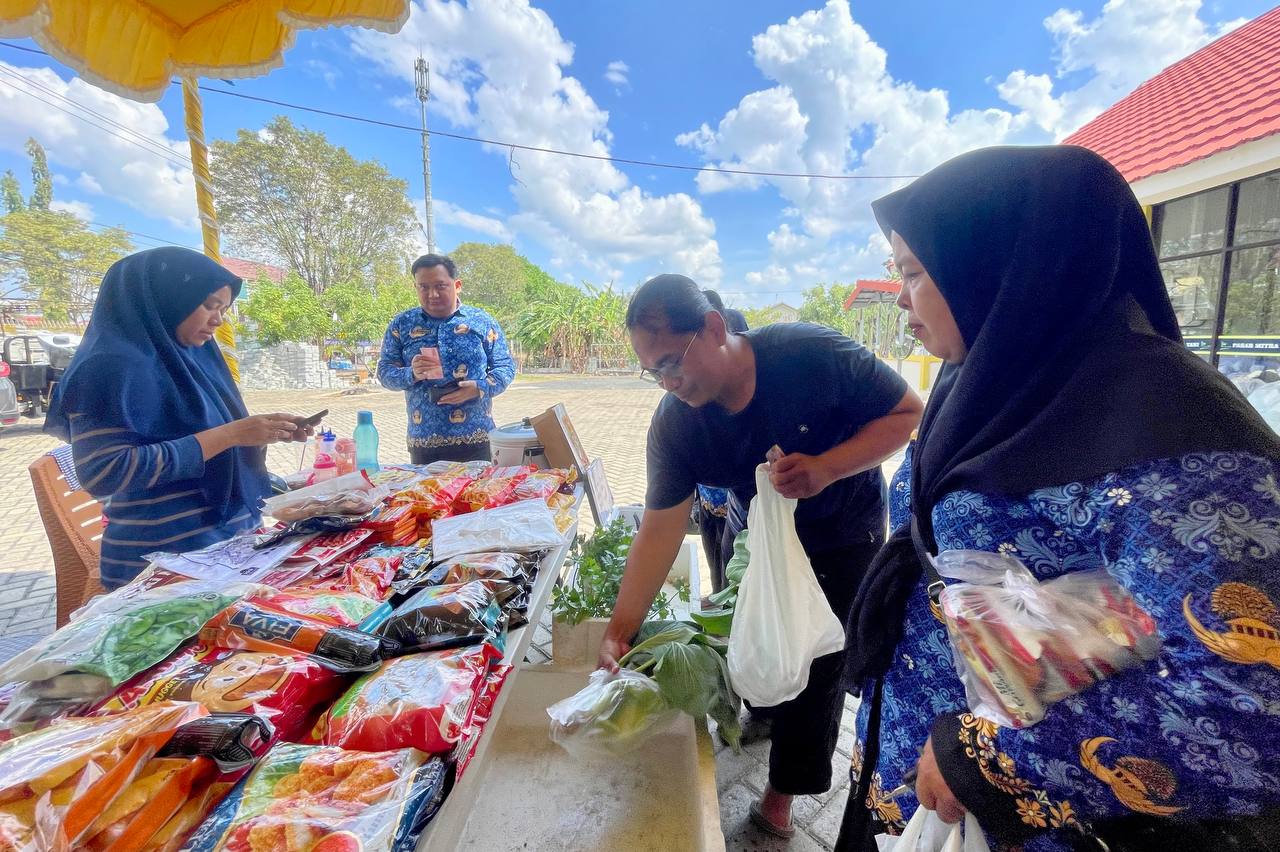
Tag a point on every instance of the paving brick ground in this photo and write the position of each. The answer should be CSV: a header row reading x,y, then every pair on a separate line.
x,y
611,417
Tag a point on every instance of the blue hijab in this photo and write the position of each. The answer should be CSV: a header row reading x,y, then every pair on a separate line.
x,y
130,370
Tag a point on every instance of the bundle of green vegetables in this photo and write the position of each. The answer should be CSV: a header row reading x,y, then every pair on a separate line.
x,y
673,665
719,621
598,564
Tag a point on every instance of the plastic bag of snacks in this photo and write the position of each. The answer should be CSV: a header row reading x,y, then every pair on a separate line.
x,y
481,710
541,484
1021,644
435,496
112,638
333,607
512,567
258,627
496,487
446,617
284,689
58,784
303,798
527,525
420,701
370,576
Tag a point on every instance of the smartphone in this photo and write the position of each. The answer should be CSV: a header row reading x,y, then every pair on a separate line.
x,y
439,392
314,420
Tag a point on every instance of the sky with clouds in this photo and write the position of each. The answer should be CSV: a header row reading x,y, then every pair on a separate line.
x,y
874,91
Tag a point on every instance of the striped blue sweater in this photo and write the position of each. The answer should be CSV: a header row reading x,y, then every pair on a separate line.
x,y
152,496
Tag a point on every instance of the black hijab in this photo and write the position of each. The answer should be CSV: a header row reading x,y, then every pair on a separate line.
x,y
1075,365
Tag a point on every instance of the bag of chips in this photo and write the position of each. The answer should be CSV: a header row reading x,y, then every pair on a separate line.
x,y
113,638
517,568
330,606
435,496
257,627
541,484
419,701
481,711
59,784
440,617
302,798
496,487
284,689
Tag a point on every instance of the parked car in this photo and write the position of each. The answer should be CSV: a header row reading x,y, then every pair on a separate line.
x,y
33,365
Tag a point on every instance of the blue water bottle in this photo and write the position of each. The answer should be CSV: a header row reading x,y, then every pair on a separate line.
x,y
366,436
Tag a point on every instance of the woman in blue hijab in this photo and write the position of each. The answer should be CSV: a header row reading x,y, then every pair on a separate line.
x,y
156,424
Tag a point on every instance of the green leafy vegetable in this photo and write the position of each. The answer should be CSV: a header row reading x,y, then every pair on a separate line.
x,y
599,563
720,621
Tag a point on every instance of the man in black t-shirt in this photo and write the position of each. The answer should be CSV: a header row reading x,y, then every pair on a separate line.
x,y
834,410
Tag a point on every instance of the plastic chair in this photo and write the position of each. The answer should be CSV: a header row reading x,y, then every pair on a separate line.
x,y
73,522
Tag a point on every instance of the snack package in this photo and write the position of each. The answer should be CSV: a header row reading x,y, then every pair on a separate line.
x,y
164,786
440,617
316,799
435,496
496,487
258,627
335,608
282,688
414,570
481,711
541,484
233,741
370,576
430,786
58,784
349,494
1021,644
419,701
513,567
113,638
527,525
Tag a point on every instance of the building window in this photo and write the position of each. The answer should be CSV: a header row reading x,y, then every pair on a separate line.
x,y
1220,258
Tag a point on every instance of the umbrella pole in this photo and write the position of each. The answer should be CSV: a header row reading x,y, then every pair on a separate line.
x,y
194,113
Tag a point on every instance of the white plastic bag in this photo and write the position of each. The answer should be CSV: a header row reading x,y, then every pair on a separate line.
x,y
611,715
926,832
782,621
526,525
1267,400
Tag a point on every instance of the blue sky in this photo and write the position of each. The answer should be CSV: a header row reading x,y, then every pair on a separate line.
x,y
864,88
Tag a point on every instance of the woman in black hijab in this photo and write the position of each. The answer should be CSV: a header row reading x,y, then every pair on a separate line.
x,y
1071,429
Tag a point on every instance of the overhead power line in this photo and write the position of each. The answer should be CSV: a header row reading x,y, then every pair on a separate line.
x,y
518,146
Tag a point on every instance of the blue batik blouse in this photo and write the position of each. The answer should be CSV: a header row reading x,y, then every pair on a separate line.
x,y
1193,734
472,347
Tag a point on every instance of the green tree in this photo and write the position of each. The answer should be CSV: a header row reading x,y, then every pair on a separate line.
x,y
41,182
493,275
53,256
360,310
290,194
287,310
563,321
825,306
11,193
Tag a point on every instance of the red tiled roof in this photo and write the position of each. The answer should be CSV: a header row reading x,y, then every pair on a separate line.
x,y
1223,95
865,286
250,269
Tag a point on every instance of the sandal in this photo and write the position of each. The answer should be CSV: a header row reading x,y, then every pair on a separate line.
x,y
768,826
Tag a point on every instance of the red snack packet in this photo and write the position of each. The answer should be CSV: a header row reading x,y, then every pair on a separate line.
x,y
284,689
481,711
421,701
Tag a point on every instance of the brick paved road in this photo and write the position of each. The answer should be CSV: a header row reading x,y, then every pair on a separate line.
x,y
611,417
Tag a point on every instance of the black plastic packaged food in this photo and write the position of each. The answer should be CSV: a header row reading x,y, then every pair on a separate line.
x,y
232,740
256,627
449,616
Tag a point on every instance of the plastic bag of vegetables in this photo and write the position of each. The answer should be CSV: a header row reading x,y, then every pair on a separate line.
x,y
613,714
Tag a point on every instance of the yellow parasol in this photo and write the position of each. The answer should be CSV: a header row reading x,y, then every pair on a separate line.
x,y
133,48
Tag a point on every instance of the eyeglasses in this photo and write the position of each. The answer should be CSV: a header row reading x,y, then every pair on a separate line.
x,y
674,370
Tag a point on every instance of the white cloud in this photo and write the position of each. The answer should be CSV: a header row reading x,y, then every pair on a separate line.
x,y
324,70
832,107
79,209
498,69
1129,42
107,164
617,73
447,213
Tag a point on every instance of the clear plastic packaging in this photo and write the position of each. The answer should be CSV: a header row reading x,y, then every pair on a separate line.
x,y
349,494
613,714
421,701
63,786
111,639
526,525
438,617
1021,644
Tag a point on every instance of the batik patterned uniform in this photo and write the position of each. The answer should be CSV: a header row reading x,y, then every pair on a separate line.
x,y
1196,541
472,347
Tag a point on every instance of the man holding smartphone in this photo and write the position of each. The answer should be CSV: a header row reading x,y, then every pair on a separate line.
x,y
450,359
